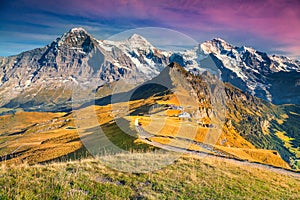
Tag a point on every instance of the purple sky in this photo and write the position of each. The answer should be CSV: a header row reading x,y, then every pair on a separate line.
x,y
271,26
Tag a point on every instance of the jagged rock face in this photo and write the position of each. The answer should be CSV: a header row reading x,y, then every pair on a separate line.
x,y
75,58
260,75
250,70
78,58
224,106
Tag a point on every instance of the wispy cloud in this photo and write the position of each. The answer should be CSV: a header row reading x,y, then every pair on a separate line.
x,y
268,25
14,48
30,36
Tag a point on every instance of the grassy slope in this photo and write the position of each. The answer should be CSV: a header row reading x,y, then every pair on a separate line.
x,y
265,125
54,135
52,139
188,178
244,134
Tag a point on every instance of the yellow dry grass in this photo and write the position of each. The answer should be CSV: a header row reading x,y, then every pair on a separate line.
x,y
280,121
233,139
257,155
172,113
178,143
44,146
282,136
170,99
287,143
51,138
190,177
21,120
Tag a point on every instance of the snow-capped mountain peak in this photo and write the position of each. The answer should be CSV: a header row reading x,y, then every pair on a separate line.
x,y
75,37
138,42
215,46
78,30
79,55
137,38
251,70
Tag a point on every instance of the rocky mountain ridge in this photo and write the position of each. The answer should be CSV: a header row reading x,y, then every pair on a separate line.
x,y
47,75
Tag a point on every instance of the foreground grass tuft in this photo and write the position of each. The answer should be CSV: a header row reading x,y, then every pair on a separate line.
x,y
187,178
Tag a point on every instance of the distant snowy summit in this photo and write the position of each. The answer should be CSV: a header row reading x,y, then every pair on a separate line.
x,y
78,58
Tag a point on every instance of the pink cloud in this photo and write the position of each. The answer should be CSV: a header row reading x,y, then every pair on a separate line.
x,y
278,21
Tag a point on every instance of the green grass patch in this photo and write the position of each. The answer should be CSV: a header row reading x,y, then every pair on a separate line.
x,y
188,178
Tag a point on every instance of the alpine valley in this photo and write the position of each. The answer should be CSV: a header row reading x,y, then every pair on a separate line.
x,y
42,119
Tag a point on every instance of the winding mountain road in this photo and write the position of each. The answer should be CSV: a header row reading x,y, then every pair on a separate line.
x,y
146,137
